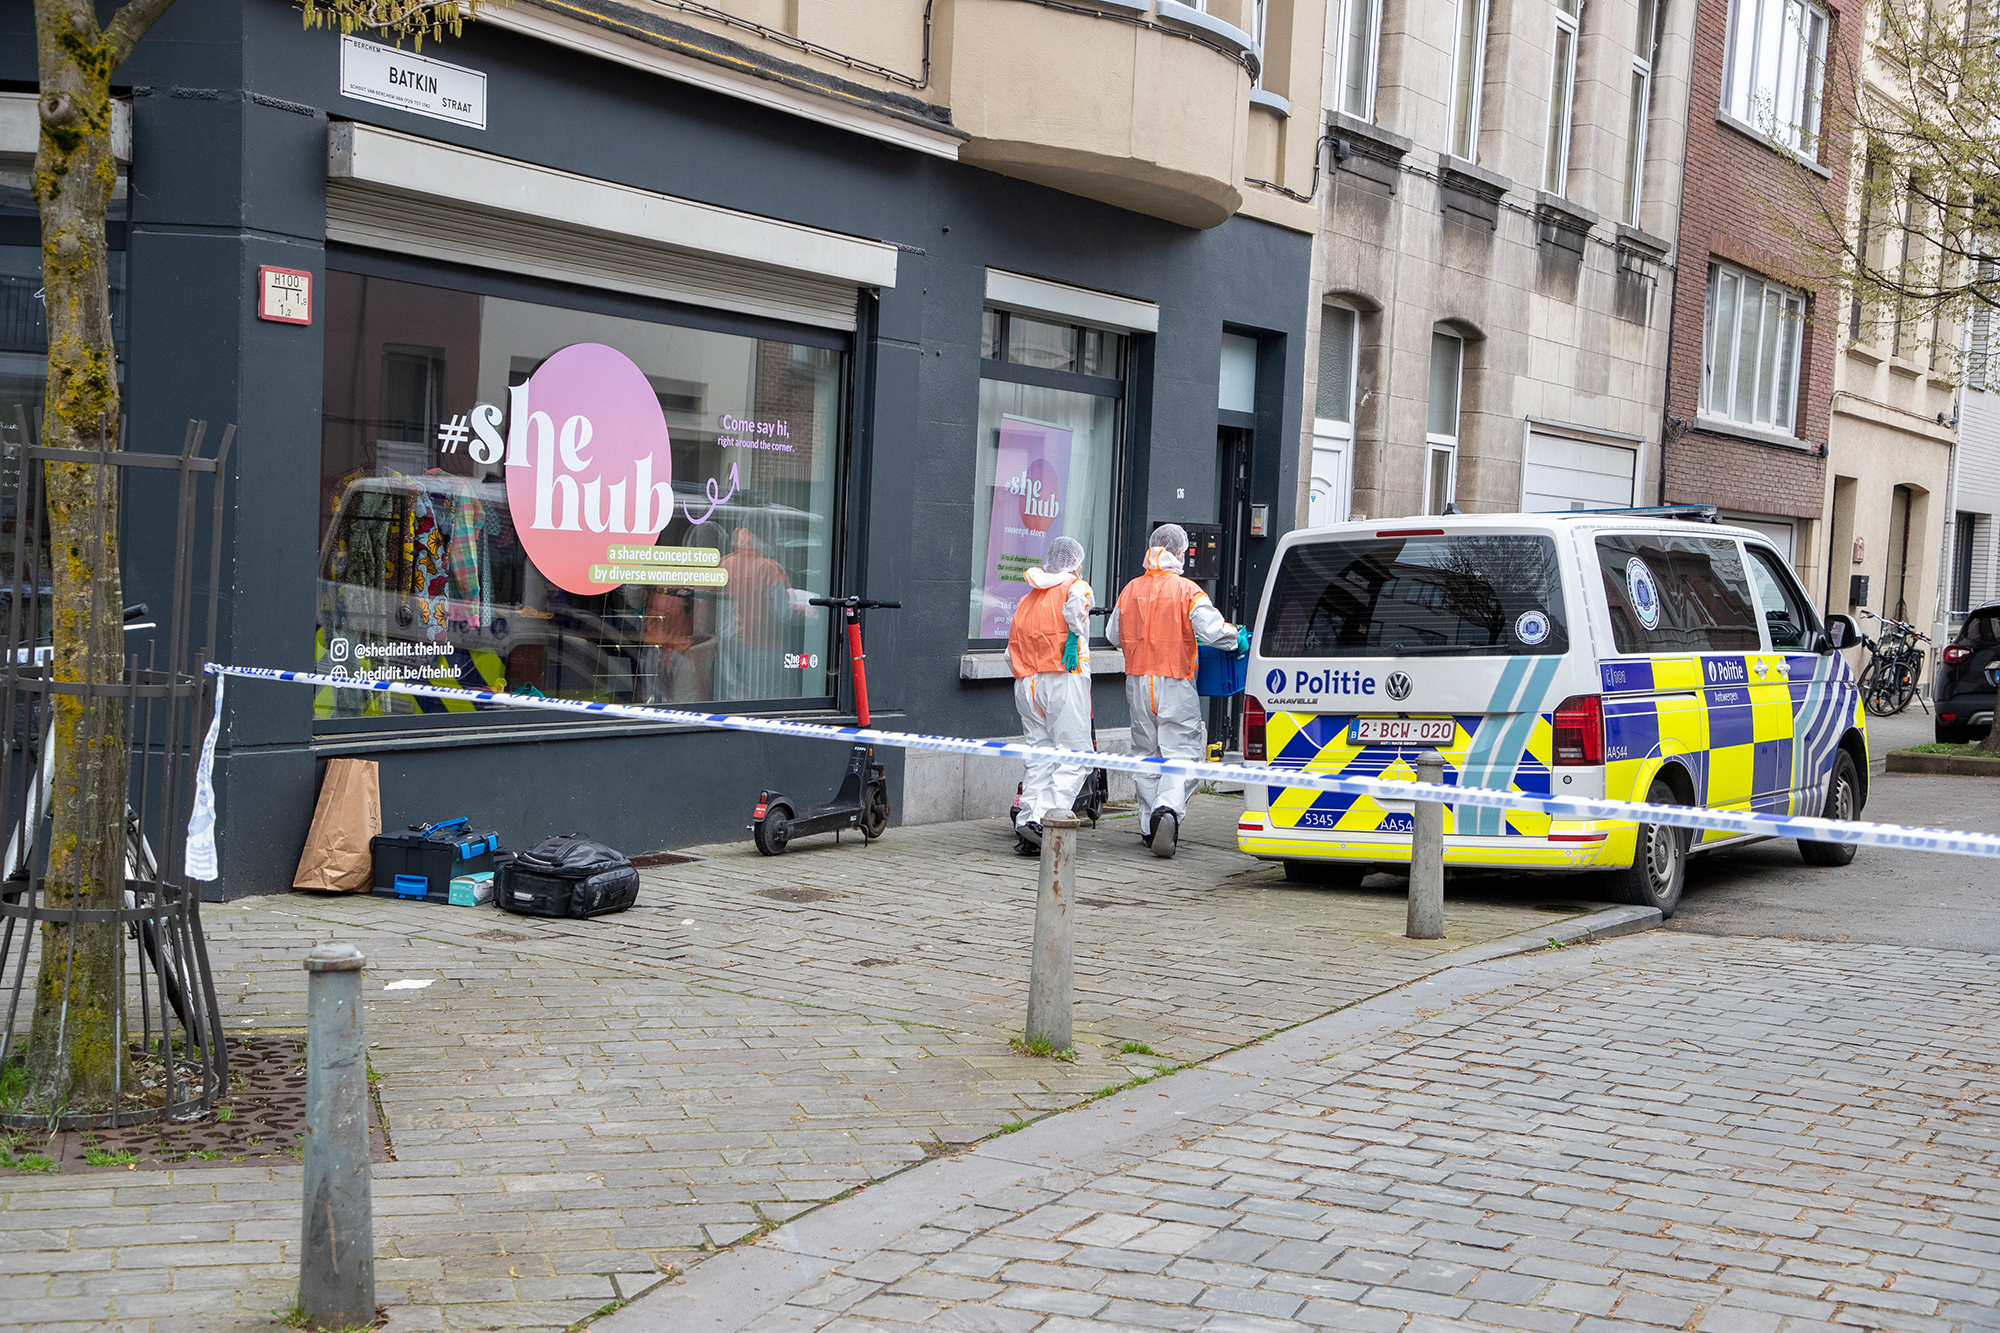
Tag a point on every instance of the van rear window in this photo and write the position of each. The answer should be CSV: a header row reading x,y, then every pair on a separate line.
x,y
1464,596
1675,594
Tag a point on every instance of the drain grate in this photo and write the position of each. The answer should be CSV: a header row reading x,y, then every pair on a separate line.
x,y
796,895
267,1119
648,860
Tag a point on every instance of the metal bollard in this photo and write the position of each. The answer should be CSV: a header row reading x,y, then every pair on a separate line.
x,y
1049,975
1426,919
337,1231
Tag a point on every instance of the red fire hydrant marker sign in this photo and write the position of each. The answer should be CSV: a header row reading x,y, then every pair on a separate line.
x,y
284,295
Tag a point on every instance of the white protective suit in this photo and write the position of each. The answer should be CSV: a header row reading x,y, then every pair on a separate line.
x,y
1055,710
1166,712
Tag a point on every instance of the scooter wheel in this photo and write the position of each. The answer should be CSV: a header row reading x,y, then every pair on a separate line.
x,y
875,810
774,831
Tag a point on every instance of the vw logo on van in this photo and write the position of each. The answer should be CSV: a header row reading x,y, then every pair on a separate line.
x,y
1275,682
1398,686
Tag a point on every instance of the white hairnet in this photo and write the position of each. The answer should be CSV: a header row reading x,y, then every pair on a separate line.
x,y
1065,556
1173,537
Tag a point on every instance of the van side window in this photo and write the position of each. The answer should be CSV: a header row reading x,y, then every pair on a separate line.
x,y
1786,613
1669,593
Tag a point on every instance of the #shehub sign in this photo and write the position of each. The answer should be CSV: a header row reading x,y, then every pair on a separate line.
x,y
417,84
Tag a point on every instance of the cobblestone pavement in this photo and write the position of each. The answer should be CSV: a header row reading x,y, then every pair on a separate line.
x,y
1660,1132
574,1106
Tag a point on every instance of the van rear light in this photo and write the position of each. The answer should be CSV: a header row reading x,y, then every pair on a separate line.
x,y
1579,730
1956,652
1253,729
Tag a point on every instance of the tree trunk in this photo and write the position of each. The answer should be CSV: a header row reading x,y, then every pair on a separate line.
x,y
75,1045
1992,742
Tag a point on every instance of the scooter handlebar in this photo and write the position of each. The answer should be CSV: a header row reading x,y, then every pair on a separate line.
x,y
858,603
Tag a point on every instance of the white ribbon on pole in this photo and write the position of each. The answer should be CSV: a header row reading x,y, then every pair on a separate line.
x,y
201,862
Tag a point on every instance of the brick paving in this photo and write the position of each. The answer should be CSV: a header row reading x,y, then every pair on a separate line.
x,y
1660,1132
575,1107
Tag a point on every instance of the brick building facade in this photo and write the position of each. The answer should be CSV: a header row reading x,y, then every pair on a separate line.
x,y
1747,420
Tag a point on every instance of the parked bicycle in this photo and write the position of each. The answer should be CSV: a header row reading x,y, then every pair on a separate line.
x,y
1895,665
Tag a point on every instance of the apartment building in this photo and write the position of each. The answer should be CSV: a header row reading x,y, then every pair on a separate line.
x,y
1972,541
872,277
1496,261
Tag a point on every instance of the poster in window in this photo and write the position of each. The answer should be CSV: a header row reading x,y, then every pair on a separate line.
x,y
1030,493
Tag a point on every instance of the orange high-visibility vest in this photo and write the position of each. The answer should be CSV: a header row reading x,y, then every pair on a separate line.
x,y
1155,624
1036,639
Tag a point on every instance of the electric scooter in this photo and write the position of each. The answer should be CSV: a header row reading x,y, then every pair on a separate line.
x,y
863,798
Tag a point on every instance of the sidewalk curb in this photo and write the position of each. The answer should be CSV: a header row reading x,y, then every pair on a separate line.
x,y
736,1288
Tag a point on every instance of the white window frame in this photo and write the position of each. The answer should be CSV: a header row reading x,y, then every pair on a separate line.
x,y
1562,98
1640,116
1720,363
1466,146
1345,13
1772,31
1437,442
1338,435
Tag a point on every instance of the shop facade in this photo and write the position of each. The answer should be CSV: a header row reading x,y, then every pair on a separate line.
x,y
566,377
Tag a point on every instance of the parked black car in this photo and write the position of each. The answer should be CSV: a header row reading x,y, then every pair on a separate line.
x,y
1965,678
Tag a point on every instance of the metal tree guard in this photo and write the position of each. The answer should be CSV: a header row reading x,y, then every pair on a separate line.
x,y
177,1054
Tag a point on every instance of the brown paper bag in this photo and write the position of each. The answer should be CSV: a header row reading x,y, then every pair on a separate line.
x,y
349,814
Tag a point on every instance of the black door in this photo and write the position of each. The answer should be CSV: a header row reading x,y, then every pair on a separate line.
x,y
1231,591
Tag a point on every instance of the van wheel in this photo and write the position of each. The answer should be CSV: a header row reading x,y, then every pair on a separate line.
x,y
1843,801
1658,871
1326,874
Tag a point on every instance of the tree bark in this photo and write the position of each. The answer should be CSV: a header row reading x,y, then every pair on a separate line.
x,y
75,1046
1992,742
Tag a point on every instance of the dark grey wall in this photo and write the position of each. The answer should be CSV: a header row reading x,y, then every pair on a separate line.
x,y
231,103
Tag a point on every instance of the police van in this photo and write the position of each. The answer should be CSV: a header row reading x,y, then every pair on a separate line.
x,y
1635,655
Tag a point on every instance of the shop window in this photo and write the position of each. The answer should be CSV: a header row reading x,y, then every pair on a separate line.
x,y
695,565
1050,416
1777,67
1468,77
1562,91
1750,359
24,329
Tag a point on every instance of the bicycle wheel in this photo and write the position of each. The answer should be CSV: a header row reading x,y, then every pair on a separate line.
x,y
1902,687
1870,687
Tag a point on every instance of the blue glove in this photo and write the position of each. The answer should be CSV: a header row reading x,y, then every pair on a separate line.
x,y
1242,640
1069,652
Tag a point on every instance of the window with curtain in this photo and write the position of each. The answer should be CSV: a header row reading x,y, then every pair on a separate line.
x,y
1777,70
1562,95
1441,426
1468,60
1355,48
1645,51
1750,349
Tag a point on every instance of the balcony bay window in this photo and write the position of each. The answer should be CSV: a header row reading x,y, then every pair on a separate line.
x,y
1777,70
1750,349
1050,415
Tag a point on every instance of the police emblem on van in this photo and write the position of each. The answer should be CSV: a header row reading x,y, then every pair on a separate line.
x,y
1275,682
1398,686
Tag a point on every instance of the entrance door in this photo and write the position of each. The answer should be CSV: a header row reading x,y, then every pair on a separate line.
x,y
1231,593
1327,495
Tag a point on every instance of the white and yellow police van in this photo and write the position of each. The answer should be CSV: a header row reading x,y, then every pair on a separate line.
x,y
1630,655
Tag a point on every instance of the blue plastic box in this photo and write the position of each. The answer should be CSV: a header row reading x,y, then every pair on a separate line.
x,y
1220,673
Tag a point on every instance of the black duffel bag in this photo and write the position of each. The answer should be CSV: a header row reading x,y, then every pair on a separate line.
x,y
568,875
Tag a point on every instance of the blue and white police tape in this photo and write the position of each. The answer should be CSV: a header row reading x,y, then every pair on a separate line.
x,y
1561,807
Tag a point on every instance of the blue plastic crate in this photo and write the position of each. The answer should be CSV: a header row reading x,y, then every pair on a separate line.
x,y
1220,673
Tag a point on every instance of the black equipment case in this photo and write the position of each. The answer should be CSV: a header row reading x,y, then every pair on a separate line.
x,y
568,875
421,862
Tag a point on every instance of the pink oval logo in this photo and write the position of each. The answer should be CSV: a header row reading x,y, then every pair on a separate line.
x,y
589,466
1041,505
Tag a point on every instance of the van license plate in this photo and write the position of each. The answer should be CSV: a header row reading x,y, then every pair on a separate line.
x,y
1401,731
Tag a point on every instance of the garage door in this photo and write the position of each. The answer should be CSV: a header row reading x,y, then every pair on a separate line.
x,y
1563,473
